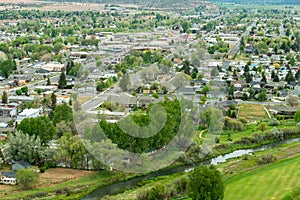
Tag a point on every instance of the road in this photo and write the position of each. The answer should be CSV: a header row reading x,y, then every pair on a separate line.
x,y
32,86
97,100
236,47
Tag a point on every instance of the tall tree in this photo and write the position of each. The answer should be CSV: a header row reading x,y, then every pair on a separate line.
x,y
125,82
62,112
4,97
48,81
205,183
62,82
40,126
53,100
22,146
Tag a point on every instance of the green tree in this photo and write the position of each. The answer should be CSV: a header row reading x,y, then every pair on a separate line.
x,y
62,112
53,100
40,126
48,81
205,183
22,146
289,77
27,178
4,97
18,92
62,82
262,127
24,90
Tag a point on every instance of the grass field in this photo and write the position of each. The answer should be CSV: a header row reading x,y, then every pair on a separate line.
x,y
271,182
252,112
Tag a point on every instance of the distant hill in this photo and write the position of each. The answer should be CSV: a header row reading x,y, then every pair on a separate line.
x,y
149,3
261,2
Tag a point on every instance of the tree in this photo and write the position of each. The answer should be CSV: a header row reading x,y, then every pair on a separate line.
x,y
53,100
248,76
205,183
24,90
18,92
22,146
4,97
289,77
62,112
70,65
297,116
40,126
48,81
62,82
27,178
124,82
262,96
262,127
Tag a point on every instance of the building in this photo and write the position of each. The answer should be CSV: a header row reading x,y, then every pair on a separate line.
x,y
17,165
8,178
28,113
54,67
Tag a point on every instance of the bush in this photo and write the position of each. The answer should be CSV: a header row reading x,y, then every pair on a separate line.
x,y
43,169
243,120
265,159
181,185
274,122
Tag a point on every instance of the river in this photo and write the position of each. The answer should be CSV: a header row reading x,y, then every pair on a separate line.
x,y
118,187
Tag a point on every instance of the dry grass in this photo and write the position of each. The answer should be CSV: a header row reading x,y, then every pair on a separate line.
x,y
83,99
252,112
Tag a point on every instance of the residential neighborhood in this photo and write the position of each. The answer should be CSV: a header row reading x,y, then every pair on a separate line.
x,y
99,93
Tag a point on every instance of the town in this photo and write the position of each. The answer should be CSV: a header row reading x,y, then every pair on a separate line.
x,y
83,87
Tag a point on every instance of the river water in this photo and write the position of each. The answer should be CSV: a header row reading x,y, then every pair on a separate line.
x,y
118,187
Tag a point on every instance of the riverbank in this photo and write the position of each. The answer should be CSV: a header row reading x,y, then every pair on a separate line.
x,y
243,176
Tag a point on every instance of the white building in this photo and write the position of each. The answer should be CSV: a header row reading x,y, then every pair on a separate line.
x,y
28,113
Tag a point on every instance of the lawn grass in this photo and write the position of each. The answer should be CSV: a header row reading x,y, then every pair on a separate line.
x,y
271,182
252,112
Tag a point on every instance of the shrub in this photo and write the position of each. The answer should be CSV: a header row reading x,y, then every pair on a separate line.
x,y
274,122
243,120
265,159
43,169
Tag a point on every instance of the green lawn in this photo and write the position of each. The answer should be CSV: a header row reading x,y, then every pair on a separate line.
x,y
270,182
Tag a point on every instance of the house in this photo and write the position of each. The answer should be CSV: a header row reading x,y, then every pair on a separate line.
x,y
54,67
28,113
17,165
17,99
124,99
6,111
186,91
216,95
146,101
8,178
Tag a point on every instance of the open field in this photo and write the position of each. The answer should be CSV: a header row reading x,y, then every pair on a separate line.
x,y
76,186
270,182
252,112
51,177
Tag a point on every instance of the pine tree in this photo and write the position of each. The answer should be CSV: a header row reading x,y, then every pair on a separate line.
x,y
53,100
48,81
4,97
62,82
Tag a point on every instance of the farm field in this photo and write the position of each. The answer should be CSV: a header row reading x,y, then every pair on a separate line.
x,y
270,182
